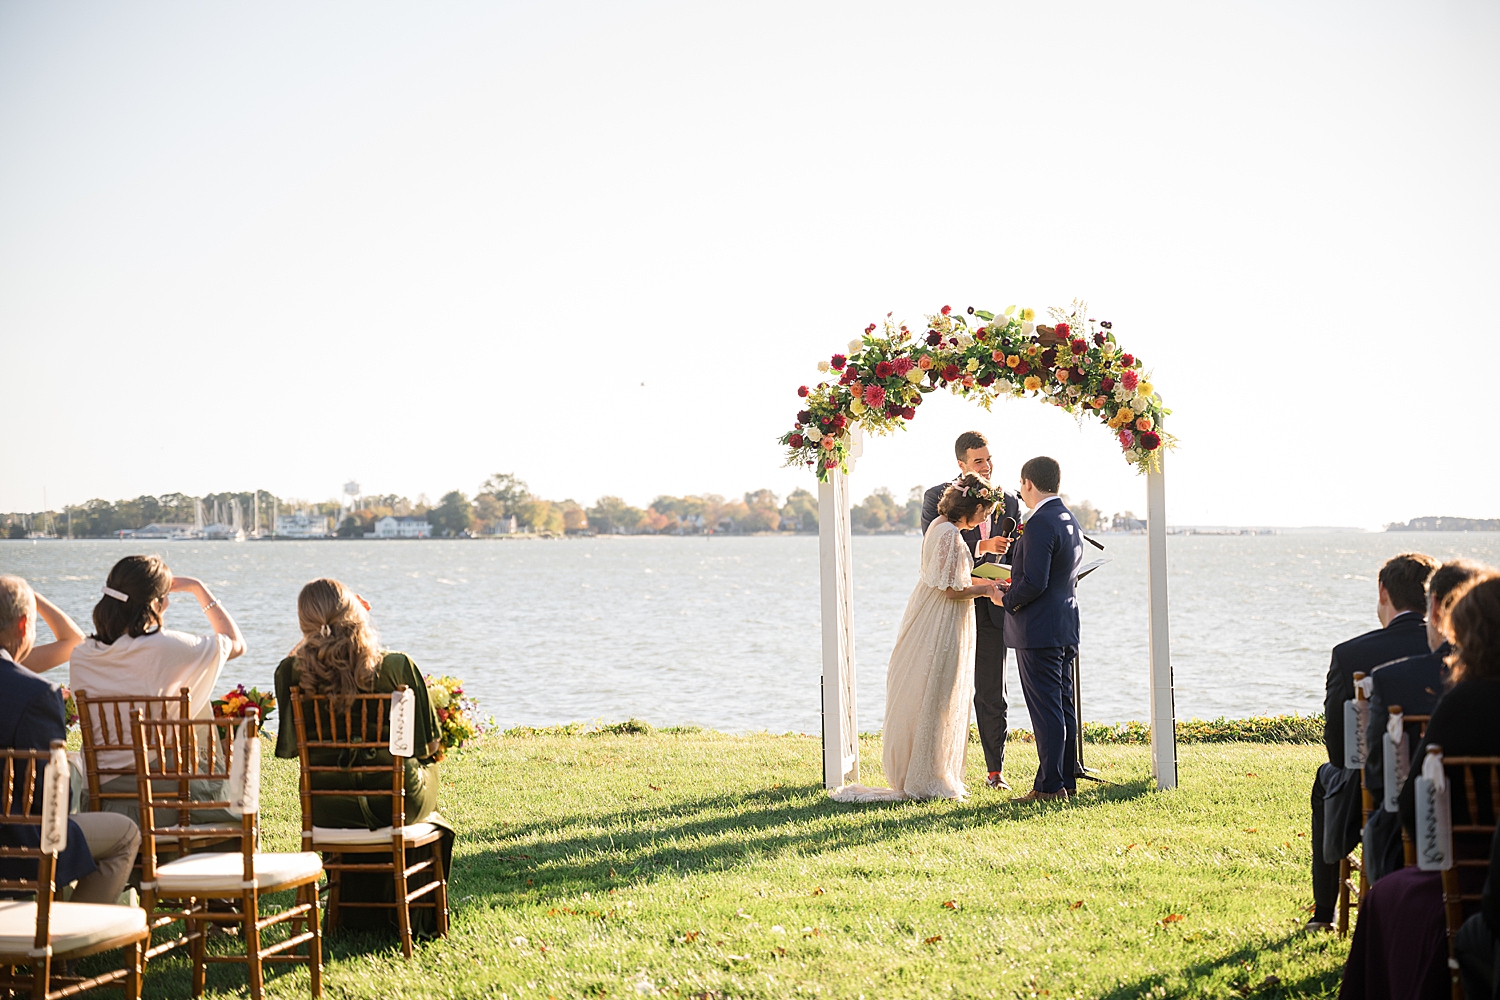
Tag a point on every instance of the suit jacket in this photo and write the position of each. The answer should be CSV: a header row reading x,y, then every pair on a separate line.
x,y
1009,507
32,715
1405,636
1463,724
1042,601
1415,683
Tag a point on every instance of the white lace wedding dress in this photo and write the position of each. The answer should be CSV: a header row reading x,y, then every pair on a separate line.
x,y
930,682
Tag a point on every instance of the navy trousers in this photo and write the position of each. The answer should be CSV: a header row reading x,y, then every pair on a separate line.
x,y
1047,683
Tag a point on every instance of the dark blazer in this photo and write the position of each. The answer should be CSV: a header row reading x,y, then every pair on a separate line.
x,y
1463,724
1415,683
1009,507
1042,600
32,715
1405,636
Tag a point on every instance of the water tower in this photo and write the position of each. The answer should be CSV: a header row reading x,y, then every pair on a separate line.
x,y
351,490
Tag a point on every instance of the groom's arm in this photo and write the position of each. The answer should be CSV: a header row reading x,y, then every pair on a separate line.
x,y
1030,578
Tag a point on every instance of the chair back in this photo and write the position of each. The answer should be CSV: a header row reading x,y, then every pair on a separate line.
x,y
179,752
357,729
23,771
108,739
1475,781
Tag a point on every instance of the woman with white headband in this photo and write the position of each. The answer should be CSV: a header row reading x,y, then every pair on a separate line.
x,y
130,653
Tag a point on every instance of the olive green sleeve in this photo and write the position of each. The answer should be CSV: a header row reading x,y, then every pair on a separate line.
x,y
286,729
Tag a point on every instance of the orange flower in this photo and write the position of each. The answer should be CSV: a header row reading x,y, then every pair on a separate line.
x,y
1144,423
925,362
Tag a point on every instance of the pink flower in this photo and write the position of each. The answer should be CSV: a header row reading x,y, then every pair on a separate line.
x,y
902,365
827,442
1130,380
832,463
1127,439
874,396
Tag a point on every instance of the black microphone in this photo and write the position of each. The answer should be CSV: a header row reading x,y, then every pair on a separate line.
x,y
1008,527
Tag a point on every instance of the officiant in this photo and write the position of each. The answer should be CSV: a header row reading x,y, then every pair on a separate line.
x,y
988,543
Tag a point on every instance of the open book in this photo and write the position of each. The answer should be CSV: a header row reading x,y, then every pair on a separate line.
x,y
991,571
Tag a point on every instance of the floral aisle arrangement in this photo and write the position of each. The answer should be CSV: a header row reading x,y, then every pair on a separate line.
x,y
1073,363
457,713
70,706
233,704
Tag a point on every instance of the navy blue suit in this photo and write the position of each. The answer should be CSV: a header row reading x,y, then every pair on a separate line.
x,y
991,707
32,715
1042,627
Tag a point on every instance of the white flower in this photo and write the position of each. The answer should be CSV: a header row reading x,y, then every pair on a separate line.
x,y
1122,393
822,366
814,435
1140,404
777,929
1004,385
855,346
439,697
1028,328
964,340
1133,455
518,941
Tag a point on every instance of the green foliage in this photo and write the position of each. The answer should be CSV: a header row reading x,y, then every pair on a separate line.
x,y
802,508
708,865
611,515
452,515
1261,729
507,490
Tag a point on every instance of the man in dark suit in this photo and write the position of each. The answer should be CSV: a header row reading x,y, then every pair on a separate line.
x,y
986,543
1402,595
1415,683
1041,605
101,846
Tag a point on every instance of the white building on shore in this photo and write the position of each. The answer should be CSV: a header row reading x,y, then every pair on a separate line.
x,y
407,526
301,525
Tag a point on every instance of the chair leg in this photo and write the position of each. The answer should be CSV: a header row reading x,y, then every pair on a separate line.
x,y
136,972
315,946
403,908
41,976
1343,904
441,892
334,879
250,903
197,944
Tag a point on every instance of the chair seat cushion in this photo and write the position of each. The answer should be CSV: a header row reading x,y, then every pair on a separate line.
x,y
216,873
329,836
74,926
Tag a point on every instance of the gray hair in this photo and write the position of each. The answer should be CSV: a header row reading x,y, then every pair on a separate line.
x,y
16,601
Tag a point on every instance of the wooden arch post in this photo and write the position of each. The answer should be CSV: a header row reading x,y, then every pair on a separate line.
x,y
836,564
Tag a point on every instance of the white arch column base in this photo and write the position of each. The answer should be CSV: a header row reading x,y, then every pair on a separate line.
x,y
1163,704
836,564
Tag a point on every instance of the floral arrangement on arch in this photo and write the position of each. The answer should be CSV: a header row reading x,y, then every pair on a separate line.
x,y
1073,363
457,714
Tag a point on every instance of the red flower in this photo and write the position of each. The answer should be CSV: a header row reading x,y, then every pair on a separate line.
x,y
1062,329
831,463
934,338
884,369
987,379
1049,357
838,362
946,310
802,391
803,416
1023,367
874,397
1079,346
1128,360
1130,380
850,374
950,373
892,412
839,420
903,365
909,412
1150,440
795,440
1099,339
870,328
1106,384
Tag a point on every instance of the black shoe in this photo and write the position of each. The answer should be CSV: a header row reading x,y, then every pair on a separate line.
x,y
997,781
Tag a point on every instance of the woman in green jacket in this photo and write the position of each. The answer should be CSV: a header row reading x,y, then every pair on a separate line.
x,y
340,655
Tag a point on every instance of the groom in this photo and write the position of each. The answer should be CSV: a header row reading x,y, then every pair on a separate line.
x,y
973,453
1042,626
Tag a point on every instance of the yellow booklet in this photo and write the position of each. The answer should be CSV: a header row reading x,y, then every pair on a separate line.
x,y
991,571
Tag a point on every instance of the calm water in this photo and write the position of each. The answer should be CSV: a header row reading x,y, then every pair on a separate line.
x,y
724,632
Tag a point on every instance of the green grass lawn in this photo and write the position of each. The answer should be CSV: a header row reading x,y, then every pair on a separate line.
x,y
705,865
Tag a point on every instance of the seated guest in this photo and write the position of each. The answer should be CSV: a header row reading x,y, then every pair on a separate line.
x,y
1401,596
101,847
1415,684
1400,946
65,636
130,653
340,655
1475,943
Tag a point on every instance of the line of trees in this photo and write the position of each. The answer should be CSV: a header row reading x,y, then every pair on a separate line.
x,y
504,503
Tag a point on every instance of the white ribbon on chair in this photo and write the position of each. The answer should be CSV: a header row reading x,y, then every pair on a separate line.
x,y
244,772
55,802
1356,717
1434,817
1396,760
403,723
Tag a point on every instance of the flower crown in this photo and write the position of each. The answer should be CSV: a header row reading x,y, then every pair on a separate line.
x,y
988,494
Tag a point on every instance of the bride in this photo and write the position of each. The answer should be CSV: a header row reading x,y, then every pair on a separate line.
x,y
930,680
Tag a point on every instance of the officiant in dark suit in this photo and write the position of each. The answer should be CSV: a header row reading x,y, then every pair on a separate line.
x,y
986,543
1041,625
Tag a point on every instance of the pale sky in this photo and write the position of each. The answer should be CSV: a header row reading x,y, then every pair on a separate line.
x,y
281,245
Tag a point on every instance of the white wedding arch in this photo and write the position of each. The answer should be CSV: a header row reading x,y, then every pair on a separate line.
x,y
1074,364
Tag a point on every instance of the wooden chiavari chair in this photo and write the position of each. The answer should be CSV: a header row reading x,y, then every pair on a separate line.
x,y
37,934
1463,883
359,731
183,751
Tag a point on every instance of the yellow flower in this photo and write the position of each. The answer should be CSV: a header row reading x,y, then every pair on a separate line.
x,y
972,366
1032,382
857,405
1027,315
914,376
1144,423
1033,350
1126,415
1012,361
1144,389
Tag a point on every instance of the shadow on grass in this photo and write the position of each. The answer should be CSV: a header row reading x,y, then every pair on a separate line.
x,y
1245,979
726,831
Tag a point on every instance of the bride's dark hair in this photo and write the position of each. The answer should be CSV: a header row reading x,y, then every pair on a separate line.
x,y
969,493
